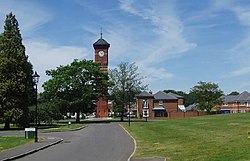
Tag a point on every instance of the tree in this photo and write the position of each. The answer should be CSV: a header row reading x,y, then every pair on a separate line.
x,y
48,111
206,95
16,84
79,84
126,84
234,93
180,93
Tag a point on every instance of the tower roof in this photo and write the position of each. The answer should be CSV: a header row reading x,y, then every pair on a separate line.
x,y
101,43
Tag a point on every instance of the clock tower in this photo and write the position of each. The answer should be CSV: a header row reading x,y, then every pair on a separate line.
x,y
101,47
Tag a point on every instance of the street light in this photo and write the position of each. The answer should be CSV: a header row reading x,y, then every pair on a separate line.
x,y
36,80
129,108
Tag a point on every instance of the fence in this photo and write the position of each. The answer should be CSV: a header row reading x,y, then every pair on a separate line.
x,y
185,114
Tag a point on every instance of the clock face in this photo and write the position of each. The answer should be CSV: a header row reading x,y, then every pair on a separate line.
x,y
101,53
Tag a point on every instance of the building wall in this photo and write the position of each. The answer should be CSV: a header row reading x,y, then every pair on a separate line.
x,y
172,105
102,107
140,107
235,107
180,101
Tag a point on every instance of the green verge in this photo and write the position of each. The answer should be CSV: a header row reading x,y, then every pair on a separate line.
x,y
49,128
7,142
214,137
61,128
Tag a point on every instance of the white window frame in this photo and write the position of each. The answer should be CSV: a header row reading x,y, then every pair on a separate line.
x,y
144,103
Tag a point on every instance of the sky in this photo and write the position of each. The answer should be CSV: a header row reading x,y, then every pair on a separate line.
x,y
175,43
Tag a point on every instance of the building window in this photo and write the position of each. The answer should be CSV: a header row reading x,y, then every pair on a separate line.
x,y
145,103
242,103
160,102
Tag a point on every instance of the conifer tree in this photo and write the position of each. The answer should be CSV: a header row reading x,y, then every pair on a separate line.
x,y
16,85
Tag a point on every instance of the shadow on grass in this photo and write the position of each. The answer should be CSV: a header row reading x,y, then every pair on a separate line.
x,y
65,122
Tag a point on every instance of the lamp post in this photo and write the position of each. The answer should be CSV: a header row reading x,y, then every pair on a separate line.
x,y
129,113
239,107
35,80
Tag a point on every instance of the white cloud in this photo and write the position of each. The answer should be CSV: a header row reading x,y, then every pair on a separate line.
x,y
240,72
168,36
243,14
241,11
166,40
240,51
29,15
44,56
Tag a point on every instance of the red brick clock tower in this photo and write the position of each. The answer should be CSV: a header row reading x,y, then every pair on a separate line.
x,y
101,47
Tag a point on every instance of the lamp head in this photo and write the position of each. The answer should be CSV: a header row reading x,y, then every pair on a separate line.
x,y
36,77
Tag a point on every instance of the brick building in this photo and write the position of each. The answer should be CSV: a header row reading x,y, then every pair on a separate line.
x,y
158,104
236,103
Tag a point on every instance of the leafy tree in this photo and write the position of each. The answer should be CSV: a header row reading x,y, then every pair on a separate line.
x,y
127,83
206,95
180,93
48,111
16,84
78,84
234,93
189,99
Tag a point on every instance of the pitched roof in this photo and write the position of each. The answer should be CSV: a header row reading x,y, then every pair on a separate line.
x,y
175,95
164,96
145,94
229,98
192,107
244,96
101,43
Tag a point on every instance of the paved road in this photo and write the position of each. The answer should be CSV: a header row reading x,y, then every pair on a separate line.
x,y
97,142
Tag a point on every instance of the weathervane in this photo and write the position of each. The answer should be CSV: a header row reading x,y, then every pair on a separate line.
x,y
101,33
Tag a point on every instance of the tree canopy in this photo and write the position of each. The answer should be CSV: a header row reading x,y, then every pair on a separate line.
x,y
127,82
206,95
79,84
234,93
16,84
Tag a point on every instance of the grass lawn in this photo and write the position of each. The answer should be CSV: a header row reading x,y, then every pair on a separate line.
x,y
214,137
11,142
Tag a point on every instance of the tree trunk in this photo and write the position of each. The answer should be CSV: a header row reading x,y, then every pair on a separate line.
x,y
7,125
122,116
78,117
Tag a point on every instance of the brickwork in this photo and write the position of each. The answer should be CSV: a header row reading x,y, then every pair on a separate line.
x,y
140,107
102,107
157,107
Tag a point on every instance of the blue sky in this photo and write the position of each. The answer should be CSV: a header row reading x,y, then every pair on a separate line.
x,y
175,43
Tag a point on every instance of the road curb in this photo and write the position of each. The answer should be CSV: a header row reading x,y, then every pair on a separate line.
x,y
133,140
140,159
32,151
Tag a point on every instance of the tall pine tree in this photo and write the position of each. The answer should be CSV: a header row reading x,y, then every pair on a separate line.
x,y
16,85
